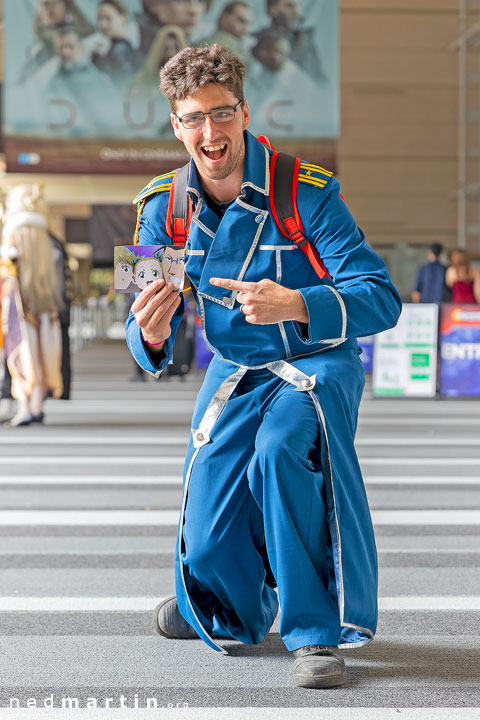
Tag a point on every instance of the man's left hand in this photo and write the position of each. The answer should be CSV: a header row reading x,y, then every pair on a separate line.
x,y
266,302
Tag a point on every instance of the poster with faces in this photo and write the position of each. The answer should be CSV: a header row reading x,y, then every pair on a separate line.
x,y
136,266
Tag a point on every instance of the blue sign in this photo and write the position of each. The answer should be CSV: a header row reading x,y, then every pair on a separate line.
x,y
460,351
366,343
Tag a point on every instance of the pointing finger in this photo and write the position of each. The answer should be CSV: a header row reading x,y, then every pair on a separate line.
x,y
229,284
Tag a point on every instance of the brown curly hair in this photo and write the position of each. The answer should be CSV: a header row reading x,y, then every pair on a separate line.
x,y
193,68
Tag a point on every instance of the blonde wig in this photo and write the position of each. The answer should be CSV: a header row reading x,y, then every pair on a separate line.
x,y
147,78
26,229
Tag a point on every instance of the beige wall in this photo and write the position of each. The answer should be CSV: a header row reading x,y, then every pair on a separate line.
x,y
398,143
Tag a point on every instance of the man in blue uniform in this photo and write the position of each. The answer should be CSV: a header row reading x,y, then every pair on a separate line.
x,y
274,510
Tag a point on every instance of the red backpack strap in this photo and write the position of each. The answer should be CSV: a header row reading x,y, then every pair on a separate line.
x,y
284,169
179,210
265,141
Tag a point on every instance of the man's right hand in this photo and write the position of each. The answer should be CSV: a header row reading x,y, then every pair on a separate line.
x,y
153,310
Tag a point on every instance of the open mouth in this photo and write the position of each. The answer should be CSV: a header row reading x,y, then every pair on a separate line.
x,y
214,152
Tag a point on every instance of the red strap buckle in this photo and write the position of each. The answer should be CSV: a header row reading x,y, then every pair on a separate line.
x,y
294,231
179,231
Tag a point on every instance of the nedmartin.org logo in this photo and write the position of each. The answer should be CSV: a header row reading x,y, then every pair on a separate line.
x,y
75,703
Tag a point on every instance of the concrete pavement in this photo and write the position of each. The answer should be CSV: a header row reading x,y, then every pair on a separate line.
x,y
88,511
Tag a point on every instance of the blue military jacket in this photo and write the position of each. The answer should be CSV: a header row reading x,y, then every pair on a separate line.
x,y
320,357
247,245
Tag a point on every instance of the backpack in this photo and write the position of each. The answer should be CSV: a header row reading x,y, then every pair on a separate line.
x,y
284,169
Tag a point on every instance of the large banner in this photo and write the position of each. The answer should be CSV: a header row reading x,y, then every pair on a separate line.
x,y
460,350
81,78
405,357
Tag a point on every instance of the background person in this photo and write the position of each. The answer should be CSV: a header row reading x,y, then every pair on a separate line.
x,y
233,27
50,15
271,77
463,278
430,286
286,19
168,41
36,367
82,99
115,54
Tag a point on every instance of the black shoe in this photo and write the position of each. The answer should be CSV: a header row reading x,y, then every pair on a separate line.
x,y
168,622
318,666
38,418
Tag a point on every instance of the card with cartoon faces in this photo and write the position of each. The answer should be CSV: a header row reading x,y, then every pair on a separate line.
x,y
136,266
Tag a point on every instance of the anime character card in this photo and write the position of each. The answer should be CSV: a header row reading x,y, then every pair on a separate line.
x,y
136,266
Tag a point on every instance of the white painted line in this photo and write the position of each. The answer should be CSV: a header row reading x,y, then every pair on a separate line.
x,y
89,517
91,480
419,461
430,602
114,460
425,517
87,480
386,551
418,441
170,517
145,603
139,711
422,480
421,420
154,439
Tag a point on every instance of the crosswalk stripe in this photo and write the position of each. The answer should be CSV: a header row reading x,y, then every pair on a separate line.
x,y
92,480
146,603
134,709
180,459
170,517
88,480
94,460
419,460
156,439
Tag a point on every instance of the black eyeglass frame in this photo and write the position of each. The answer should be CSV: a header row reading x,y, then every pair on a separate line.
x,y
224,107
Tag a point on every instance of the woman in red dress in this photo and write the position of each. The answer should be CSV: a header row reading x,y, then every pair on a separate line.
x,y
463,278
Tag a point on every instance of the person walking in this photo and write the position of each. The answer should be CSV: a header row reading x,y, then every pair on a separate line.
x,y
30,305
274,510
430,286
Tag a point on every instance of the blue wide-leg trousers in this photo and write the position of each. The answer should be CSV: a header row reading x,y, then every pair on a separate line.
x,y
255,517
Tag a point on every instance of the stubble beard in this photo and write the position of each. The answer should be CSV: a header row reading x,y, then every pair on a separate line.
x,y
223,172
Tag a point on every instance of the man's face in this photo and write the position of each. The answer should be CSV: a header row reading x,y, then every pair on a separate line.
x,y
237,22
69,49
146,272
273,55
286,12
184,13
216,149
52,12
110,22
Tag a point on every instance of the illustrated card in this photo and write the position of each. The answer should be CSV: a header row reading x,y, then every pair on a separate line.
x,y
136,266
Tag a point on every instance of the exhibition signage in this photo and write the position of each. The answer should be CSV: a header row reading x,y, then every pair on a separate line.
x,y
460,350
405,357
366,344
80,86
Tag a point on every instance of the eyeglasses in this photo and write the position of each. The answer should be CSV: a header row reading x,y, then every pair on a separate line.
x,y
195,120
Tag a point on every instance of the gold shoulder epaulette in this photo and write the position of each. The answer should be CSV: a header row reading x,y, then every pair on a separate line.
x,y
314,174
158,184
